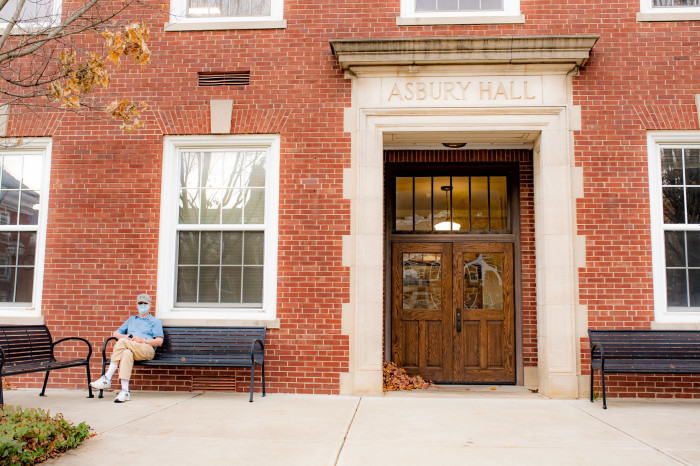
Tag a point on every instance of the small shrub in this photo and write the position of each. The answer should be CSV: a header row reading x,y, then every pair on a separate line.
x,y
31,436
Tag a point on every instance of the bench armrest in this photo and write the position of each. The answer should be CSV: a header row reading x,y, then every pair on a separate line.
x,y
252,350
104,349
74,338
601,348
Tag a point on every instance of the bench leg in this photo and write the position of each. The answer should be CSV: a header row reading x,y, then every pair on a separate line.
x,y
602,376
87,369
46,379
262,366
104,369
1,403
592,374
252,379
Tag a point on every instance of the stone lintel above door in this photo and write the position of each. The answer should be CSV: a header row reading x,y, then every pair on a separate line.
x,y
572,51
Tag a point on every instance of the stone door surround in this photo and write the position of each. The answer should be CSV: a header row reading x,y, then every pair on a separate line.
x,y
463,85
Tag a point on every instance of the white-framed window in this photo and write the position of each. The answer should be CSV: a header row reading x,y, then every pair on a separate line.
x,y
225,14
674,187
35,14
420,12
669,10
218,232
24,182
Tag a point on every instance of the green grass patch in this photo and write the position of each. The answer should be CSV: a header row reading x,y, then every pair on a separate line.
x,y
32,435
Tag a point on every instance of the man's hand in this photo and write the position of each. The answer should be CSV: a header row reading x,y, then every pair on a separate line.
x,y
138,339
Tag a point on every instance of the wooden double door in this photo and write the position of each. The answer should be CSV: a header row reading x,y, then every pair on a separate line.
x,y
453,319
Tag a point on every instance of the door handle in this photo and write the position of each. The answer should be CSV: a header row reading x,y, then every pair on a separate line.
x,y
459,319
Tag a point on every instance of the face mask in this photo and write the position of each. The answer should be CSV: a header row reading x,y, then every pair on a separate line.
x,y
144,308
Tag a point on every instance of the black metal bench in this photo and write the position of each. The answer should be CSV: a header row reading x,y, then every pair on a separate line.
x,y
29,348
208,347
643,351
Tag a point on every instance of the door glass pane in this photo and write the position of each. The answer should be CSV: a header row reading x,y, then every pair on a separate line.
x,y
441,203
498,194
483,280
423,204
460,202
480,203
404,203
422,284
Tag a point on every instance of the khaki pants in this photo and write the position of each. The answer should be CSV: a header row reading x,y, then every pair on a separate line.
x,y
126,351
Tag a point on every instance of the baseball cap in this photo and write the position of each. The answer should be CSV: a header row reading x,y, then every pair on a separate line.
x,y
143,298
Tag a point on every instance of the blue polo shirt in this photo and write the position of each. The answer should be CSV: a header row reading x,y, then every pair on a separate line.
x,y
148,327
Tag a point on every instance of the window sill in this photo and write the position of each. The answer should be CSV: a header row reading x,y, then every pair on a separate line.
x,y
19,30
21,320
224,25
446,20
174,322
675,326
668,16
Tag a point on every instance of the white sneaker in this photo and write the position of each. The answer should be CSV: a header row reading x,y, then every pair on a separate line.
x,y
122,397
101,383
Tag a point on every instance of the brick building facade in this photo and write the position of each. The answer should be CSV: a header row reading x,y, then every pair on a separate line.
x,y
296,199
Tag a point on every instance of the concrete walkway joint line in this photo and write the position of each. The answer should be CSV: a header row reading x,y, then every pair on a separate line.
x,y
347,430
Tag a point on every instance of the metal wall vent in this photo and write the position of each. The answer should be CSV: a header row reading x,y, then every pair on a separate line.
x,y
232,78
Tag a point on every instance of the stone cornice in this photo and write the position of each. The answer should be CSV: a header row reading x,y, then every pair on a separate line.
x,y
568,50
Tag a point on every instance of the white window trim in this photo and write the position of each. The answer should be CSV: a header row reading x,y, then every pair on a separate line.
x,y
33,27
647,12
165,304
41,146
179,21
657,140
410,17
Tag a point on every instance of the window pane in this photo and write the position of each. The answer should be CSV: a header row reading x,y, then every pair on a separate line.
x,y
211,205
498,193
676,287
255,169
32,173
426,5
674,206
480,203
29,208
252,285
675,3
423,204
232,245
7,284
25,284
692,166
8,248
466,5
447,5
231,285
492,4
189,206
33,10
213,170
254,208
672,167
232,206
254,248
189,169
694,286
693,196
675,249
26,248
211,247
187,284
188,247
209,284
441,203
404,204
460,202
693,248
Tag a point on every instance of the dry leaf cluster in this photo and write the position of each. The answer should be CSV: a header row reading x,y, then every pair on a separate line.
x,y
396,378
82,78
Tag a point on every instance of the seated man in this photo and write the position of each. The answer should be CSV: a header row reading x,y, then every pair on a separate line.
x,y
138,339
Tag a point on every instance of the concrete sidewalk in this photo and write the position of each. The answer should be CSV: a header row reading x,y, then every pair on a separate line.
x,y
456,426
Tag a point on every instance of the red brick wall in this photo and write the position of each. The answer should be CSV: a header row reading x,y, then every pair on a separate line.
x,y
104,196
